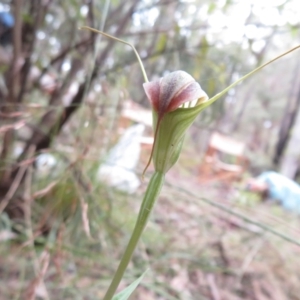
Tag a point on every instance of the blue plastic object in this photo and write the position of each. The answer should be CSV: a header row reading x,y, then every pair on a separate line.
x,y
6,19
282,189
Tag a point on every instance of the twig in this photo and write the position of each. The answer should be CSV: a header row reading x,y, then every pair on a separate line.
x,y
249,258
60,57
17,180
43,261
213,287
14,126
239,215
84,205
11,115
84,216
45,190
40,264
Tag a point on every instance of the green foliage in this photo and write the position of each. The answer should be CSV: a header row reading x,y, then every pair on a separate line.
x,y
125,294
161,44
189,244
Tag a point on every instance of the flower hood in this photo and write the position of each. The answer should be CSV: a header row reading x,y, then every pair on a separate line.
x,y
171,91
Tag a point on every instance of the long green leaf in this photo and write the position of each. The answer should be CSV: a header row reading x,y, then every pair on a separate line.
x,y
125,294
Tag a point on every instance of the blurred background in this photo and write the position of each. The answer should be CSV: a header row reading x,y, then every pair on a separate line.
x,y
75,135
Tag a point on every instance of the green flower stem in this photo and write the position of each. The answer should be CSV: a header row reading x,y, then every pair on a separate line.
x,y
216,97
121,41
152,193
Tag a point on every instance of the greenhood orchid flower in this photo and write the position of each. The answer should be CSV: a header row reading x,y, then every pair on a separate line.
x,y
175,99
170,92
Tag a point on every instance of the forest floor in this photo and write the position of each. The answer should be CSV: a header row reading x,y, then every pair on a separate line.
x,y
193,247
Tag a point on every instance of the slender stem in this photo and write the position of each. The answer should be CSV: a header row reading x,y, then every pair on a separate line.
x,y
159,119
121,41
152,193
216,97
240,215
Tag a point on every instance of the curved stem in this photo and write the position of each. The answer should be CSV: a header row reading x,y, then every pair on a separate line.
x,y
217,96
121,41
152,193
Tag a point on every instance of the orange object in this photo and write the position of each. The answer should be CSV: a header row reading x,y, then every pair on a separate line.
x,y
224,159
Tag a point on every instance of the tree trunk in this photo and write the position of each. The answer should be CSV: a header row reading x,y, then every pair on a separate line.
x,y
288,119
290,160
